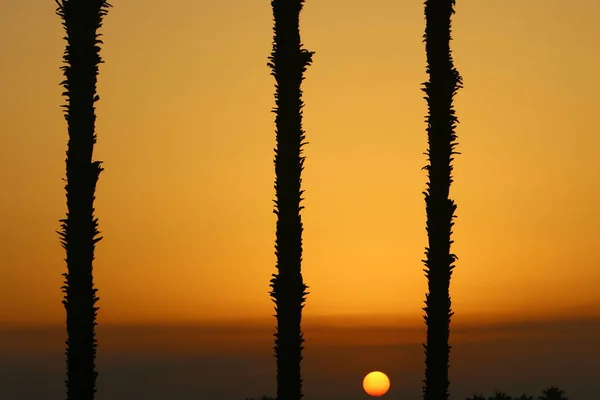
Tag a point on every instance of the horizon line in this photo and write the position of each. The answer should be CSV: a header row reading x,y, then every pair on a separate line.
x,y
382,320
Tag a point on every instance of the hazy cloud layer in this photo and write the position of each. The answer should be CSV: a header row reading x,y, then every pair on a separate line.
x,y
231,362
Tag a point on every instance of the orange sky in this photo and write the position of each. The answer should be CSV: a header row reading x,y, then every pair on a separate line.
x,y
186,136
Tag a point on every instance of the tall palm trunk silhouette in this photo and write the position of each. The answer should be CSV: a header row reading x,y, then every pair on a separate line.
x,y
288,62
444,82
81,20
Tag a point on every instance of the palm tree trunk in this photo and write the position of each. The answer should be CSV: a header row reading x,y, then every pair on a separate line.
x,y
288,62
444,81
81,20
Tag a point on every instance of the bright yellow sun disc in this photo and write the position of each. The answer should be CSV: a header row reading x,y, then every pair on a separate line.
x,y
376,383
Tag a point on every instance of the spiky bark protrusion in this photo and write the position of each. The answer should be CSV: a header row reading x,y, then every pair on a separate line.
x,y
444,82
81,20
288,62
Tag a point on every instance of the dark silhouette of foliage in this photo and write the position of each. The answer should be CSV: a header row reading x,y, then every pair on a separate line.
x,y
476,397
288,62
553,393
444,82
525,397
500,395
81,20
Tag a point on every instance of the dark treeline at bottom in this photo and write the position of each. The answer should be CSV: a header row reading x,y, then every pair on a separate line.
x,y
551,393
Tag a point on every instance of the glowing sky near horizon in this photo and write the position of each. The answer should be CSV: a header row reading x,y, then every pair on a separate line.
x,y
186,136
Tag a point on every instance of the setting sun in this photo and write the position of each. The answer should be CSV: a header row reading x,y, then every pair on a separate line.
x,y
376,383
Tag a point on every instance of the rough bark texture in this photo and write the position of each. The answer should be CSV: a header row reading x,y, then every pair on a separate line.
x,y
81,20
444,81
288,62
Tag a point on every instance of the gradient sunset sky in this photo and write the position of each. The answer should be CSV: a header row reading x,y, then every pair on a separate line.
x,y
186,136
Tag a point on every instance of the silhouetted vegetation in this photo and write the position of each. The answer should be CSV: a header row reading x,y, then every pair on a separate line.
x,y
81,20
444,81
476,397
552,393
500,395
525,397
288,62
